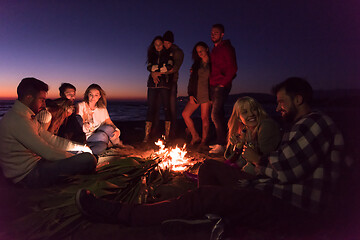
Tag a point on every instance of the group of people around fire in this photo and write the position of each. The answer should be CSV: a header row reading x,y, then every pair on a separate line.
x,y
265,175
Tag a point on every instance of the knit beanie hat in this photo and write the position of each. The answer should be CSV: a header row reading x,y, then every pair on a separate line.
x,y
169,36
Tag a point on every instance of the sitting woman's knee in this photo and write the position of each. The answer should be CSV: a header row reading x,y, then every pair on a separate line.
x,y
108,129
99,136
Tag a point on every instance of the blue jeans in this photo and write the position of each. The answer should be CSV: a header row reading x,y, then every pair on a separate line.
x,y
46,173
99,140
153,97
218,97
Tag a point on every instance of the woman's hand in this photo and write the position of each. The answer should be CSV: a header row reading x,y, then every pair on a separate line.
x,y
250,155
116,134
154,68
235,139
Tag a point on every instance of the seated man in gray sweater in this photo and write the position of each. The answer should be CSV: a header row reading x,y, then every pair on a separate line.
x,y
31,156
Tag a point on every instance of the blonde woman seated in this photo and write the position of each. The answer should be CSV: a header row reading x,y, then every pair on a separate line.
x,y
100,131
248,125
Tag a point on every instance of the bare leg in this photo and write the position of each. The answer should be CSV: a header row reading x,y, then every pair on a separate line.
x,y
205,112
188,111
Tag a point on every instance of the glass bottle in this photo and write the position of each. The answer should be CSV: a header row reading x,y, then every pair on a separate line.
x,y
143,193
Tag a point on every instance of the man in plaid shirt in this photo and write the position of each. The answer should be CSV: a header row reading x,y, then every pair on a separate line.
x,y
307,163
296,180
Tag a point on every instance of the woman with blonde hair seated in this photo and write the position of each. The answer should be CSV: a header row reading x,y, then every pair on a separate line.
x,y
249,125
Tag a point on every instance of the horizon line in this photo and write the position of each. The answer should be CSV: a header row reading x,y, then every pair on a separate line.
x,y
145,98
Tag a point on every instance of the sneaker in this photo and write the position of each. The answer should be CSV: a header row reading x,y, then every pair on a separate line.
x,y
217,149
218,230
96,208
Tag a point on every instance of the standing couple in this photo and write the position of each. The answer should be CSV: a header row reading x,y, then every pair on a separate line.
x,y
164,60
210,84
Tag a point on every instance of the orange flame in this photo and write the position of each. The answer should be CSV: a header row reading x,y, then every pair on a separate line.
x,y
173,159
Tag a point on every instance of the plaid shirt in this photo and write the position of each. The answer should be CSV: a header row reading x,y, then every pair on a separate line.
x,y
307,164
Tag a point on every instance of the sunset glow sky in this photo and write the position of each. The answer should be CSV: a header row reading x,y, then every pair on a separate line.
x,y
105,42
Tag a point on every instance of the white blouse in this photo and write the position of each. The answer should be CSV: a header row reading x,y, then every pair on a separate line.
x,y
92,119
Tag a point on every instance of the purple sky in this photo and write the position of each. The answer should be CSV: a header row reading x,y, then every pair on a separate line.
x,y
105,42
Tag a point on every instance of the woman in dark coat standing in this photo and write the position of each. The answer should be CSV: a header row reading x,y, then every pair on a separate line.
x,y
159,62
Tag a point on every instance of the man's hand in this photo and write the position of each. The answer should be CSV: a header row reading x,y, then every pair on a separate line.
x,y
170,71
163,69
250,155
80,149
87,149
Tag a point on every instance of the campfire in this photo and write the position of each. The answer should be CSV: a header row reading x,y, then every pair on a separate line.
x,y
173,159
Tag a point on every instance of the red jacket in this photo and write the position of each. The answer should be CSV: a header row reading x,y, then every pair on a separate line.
x,y
223,64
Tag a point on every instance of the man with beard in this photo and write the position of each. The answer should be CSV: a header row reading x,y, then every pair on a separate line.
x,y
297,181
31,156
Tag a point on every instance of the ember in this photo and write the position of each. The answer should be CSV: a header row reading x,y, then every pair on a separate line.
x,y
173,159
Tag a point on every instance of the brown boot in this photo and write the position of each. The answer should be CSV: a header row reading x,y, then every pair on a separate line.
x,y
147,131
167,129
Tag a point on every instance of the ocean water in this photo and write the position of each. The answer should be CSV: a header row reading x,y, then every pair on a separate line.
x,y
5,105
118,110
336,106
136,110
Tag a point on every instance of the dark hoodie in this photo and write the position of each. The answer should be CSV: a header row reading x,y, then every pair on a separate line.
x,y
223,64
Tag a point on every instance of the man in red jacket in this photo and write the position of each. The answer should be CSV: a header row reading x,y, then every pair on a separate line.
x,y
223,71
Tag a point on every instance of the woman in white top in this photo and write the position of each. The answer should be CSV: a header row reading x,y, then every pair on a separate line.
x,y
99,129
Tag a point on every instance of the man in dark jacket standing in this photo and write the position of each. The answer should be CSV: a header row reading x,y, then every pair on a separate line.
x,y
178,56
223,71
